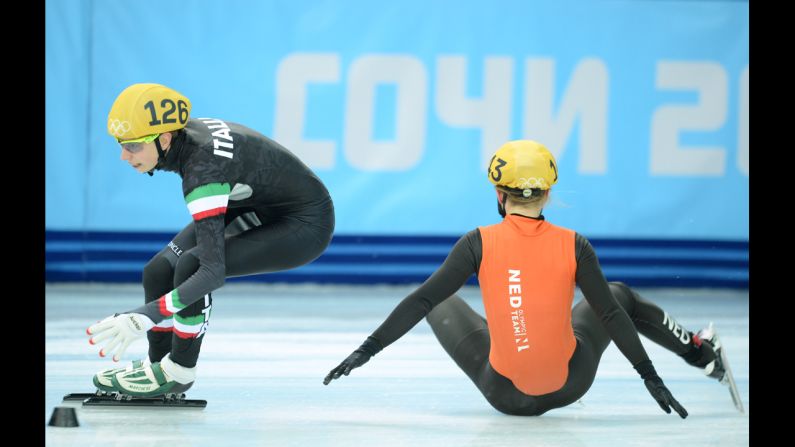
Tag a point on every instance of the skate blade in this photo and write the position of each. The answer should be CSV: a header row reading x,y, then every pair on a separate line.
x,y
84,396
124,400
144,402
728,380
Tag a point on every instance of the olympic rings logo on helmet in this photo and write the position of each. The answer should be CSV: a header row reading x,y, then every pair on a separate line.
x,y
118,128
532,183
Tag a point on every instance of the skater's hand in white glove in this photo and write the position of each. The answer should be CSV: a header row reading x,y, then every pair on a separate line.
x,y
658,390
359,357
120,330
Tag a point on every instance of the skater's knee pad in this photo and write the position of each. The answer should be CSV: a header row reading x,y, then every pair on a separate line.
x,y
158,277
453,320
187,265
624,295
443,312
617,283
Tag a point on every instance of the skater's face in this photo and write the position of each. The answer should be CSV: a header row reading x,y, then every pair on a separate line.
x,y
142,155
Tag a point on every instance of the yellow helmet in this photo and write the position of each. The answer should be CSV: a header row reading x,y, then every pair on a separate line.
x,y
147,109
520,166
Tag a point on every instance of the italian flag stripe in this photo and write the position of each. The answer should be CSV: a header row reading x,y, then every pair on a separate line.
x,y
171,303
164,326
167,323
186,335
188,328
208,200
161,304
188,321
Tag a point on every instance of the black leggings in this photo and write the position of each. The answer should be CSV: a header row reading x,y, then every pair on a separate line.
x,y
254,244
465,336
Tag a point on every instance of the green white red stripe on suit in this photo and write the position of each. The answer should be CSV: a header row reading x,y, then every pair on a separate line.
x,y
169,304
164,326
188,327
184,327
208,200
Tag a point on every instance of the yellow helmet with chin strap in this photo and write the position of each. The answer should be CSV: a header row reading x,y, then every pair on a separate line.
x,y
142,110
520,166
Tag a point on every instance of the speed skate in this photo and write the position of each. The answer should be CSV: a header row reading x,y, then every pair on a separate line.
x,y
728,380
114,399
711,336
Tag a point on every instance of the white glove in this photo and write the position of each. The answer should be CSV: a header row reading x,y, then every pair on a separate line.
x,y
122,329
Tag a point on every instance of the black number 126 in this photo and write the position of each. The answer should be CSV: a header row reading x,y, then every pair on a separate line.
x,y
169,107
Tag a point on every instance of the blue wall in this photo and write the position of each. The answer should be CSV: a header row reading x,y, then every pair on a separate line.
x,y
397,107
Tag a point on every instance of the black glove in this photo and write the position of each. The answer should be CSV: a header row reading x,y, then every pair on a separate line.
x,y
359,357
657,389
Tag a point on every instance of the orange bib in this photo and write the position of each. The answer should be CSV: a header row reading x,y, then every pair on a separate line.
x,y
527,281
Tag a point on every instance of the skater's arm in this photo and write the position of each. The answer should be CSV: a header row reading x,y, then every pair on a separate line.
x,y
594,287
207,205
618,324
461,263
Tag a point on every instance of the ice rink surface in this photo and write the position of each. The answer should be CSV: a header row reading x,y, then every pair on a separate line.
x,y
268,348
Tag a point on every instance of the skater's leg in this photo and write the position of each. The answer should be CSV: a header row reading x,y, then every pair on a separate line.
x,y
592,340
265,246
661,328
702,350
190,323
464,335
158,279
277,245
175,372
